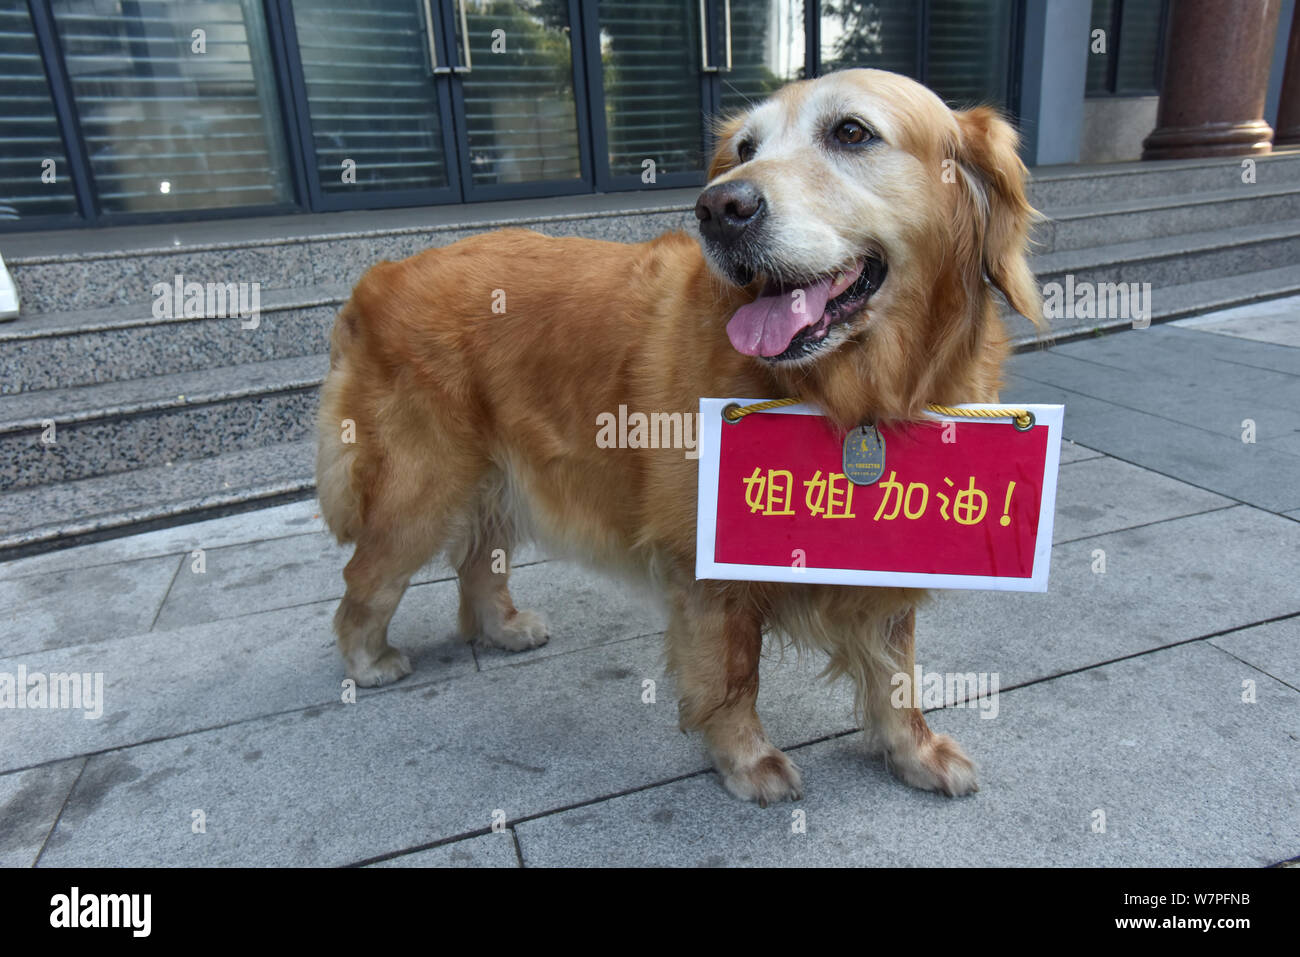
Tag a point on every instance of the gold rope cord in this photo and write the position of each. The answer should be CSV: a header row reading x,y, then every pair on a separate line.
x,y
1023,418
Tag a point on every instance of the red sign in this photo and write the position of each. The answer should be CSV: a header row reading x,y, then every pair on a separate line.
x,y
960,502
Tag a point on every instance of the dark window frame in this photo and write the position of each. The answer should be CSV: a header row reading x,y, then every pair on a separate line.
x,y
1114,41
290,95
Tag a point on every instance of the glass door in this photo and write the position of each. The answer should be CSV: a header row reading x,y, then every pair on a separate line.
x,y
765,47
406,102
667,68
520,123
374,106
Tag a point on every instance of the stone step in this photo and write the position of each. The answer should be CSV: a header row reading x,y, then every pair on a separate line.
x,y
1101,224
1175,260
43,518
1058,186
117,427
71,513
120,266
1173,302
117,343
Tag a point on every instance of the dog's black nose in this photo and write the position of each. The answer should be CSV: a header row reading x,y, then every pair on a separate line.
x,y
725,211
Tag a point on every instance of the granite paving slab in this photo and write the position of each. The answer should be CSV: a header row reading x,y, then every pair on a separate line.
x,y
1273,648
30,803
347,783
1104,495
1273,322
278,521
1203,404
76,606
486,850
1163,583
1253,473
1158,749
163,684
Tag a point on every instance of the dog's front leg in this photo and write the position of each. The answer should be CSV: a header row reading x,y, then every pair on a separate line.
x,y
713,647
921,758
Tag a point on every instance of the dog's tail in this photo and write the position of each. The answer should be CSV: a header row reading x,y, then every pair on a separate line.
x,y
337,450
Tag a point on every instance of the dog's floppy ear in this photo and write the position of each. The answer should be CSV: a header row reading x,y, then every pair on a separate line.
x,y
724,153
987,154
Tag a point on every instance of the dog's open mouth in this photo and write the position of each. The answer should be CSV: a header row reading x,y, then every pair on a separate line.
x,y
792,320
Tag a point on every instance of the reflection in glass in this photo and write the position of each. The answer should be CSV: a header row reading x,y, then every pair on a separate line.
x,y
967,45
34,175
879,34
650,55
170,120
969,50
370,95
520,109
1139,47
767,47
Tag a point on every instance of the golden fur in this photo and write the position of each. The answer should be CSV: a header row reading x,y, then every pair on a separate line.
x,y
474,429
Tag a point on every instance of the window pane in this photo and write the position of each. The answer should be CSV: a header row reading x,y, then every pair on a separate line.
x,y
1099,63
1139,46
29,129
767,50
519,99
166,126
370,95
650,58
969,49
880,35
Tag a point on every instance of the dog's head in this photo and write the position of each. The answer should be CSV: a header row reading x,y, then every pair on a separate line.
x,y
869,221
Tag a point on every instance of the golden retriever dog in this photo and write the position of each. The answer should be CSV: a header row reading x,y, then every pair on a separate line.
x,y
460,412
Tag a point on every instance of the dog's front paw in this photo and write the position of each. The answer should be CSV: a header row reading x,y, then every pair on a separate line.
x,y
387,668
937,765
772,777
519,632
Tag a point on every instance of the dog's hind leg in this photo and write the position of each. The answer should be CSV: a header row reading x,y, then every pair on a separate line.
x,y
713,648
406,524
483,569
375,585
918,756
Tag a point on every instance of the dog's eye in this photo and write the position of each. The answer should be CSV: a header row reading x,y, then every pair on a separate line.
x,y
852,133
746,150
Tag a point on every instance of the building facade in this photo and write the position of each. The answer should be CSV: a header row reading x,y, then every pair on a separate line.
x,y
128,111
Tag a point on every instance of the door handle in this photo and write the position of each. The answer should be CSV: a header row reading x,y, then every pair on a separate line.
x,y
727,30
468,65
705,65
432,39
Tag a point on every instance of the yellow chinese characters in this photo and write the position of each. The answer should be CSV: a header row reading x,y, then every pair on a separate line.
x,y
833,495
830,495
770,493
968,504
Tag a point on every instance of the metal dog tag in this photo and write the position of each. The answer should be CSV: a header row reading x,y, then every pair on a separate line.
x,y
864,455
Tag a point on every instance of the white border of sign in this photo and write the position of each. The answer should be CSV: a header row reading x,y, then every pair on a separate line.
x,y
711,425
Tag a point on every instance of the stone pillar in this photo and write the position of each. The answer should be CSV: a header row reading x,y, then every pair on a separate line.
x,y
1054,65
1288,108
1217,60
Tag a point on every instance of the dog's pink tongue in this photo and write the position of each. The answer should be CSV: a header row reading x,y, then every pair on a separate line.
x,y
765,326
